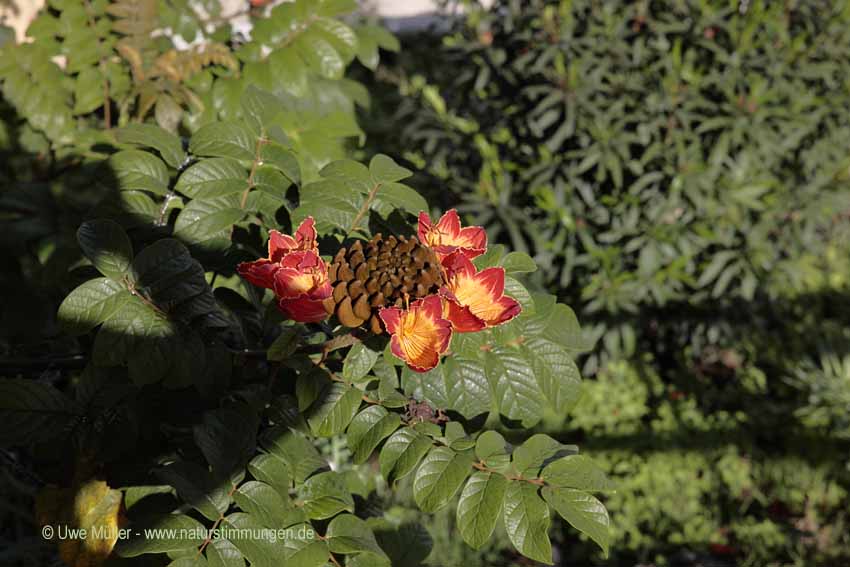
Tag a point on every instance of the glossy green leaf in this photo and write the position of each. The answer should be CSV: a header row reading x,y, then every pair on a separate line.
x,y
106,244
167,144
213,177
224,139
368,429
480,506
579,472
335,407
402,452
527,521
583,511
136,170
439,477
167,533
91,304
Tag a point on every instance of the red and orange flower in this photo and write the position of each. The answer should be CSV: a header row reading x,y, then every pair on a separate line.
x,y
261,272
419,334
475,300
301,285
469,300
447,235
296,273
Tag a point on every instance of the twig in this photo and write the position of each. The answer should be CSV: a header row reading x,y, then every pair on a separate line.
x,y
364,208
261,140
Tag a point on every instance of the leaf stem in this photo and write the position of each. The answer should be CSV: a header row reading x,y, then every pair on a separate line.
x,y
364,208
220,519
258,146
481,466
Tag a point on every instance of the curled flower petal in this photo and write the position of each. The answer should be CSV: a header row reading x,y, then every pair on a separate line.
x,y
259,272
301,285
475,300
447,236
304,240
419,334
262,272
303,309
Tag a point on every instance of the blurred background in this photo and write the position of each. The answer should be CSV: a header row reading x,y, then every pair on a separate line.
x,y
680,171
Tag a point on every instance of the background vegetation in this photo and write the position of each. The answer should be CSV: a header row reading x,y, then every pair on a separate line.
x,y
679,170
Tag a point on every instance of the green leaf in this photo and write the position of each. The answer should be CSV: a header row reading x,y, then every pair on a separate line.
x,y
290,71
536,451
196,486
88,91
579,472
242,530
491,257
563,328
106,244
284,345
260,109
339,35
518,262
300,456
167,144
33,412
272,471
490,444
527,521
267,505
479,507
331,413
333,207
281,158
226,437
132,326
368,429
224,139
203,220
222,553
583,511
136,170
304,548
402,452
518,395
213,177
439,477
91,304
385,170
557,375
349,534
467,389
392,196
325,495
358,362
319,54
169,533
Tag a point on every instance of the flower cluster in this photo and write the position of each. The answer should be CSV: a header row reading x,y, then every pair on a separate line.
x,y
467,300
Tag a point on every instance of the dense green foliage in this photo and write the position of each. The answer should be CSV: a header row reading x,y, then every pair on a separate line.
x,y
679,171
145,385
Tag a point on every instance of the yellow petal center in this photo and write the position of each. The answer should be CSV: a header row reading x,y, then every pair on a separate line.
x,y
416,334
476,296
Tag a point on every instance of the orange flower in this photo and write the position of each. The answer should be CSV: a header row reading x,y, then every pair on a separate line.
x,y
419,334
447,236
475,300
301,285
261,272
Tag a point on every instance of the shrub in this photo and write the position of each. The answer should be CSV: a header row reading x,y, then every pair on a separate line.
x,y
678,170
244,393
